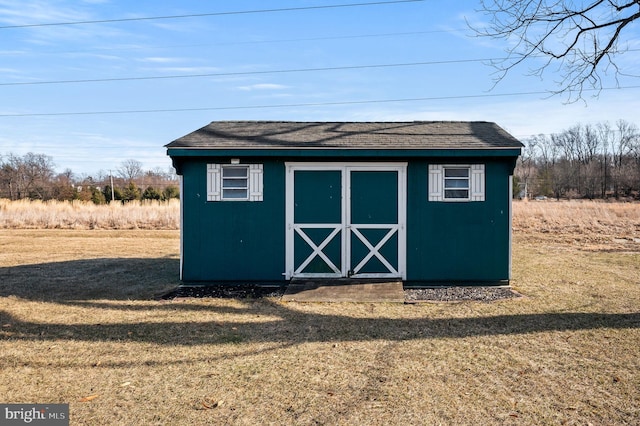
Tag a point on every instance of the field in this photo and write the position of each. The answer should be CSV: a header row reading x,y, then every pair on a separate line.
x,y
80,324
148,214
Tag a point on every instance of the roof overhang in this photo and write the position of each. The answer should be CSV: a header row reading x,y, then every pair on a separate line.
x,y
342,152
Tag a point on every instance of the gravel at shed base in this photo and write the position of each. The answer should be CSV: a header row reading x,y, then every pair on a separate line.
x,y
411,295
457,294
226,291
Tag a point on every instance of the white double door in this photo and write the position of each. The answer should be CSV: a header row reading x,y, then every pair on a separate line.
x,y
345,220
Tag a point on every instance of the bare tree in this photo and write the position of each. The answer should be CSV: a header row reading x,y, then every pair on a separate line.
x,y
7,180
548,154
581,37
27,176
590,144
130,169
635,153
62,186
606,136
582,171
37,173
626,137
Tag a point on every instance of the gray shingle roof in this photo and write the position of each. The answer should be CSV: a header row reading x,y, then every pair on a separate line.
x,y
351,135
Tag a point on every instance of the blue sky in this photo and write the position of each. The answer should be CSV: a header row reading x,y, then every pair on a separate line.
x,y
240,61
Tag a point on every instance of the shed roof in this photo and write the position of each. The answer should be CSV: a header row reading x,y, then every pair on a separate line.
x,y
416,135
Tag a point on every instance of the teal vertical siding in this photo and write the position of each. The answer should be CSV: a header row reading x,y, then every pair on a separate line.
x,y
461,242
318,196
233,240
458,241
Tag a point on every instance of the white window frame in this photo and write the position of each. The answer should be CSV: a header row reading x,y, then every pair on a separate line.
x,y
466,178
226,180
437,182
216,181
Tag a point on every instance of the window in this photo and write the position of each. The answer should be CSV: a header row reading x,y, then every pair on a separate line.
x,y
234,182
456,182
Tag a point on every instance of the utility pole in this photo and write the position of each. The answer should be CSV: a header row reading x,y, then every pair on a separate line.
x,y
112,191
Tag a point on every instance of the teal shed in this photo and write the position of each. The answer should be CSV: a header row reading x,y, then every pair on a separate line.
x,y
425,202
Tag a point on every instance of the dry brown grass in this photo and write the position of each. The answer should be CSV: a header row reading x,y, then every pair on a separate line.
x,y
588,225
148,214
78,320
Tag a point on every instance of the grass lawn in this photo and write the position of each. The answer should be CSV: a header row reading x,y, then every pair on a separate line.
x,y
79,324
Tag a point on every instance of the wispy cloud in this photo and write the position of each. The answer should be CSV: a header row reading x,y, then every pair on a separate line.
x,y
177,27
263,86
12,52
161,60
187,70
23,12
93,56
30,12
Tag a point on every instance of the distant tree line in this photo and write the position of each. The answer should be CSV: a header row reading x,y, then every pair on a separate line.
x,y
32,176
584,161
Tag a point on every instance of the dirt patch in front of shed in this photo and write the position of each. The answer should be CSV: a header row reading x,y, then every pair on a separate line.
x,y
344,290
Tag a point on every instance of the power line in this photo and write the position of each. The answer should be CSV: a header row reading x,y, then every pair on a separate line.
x,y
237,73
198,15
299,105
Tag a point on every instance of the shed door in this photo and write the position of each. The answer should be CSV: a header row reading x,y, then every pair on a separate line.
x,y
317,230
346,220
